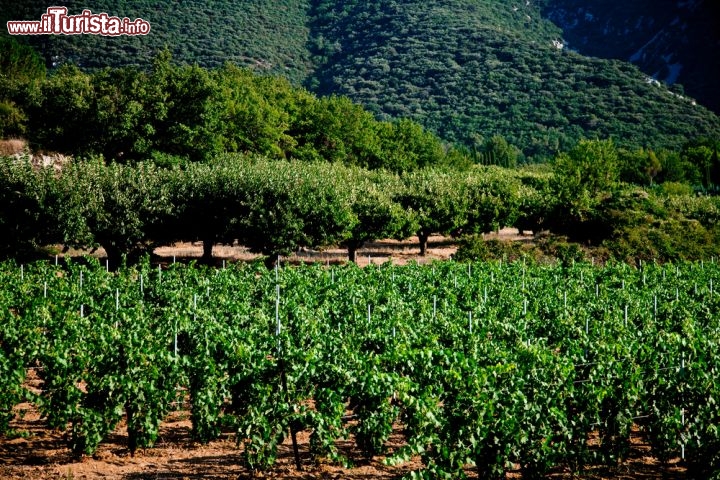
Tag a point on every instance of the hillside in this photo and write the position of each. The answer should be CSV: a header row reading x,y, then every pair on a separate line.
x,y
270,36
677,42
469,72
466,69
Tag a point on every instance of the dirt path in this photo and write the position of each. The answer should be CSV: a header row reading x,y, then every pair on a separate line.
x,y
381,251
399,252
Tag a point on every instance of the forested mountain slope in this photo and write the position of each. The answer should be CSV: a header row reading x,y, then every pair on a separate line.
x,y
672,40
268,35
468,69
469,72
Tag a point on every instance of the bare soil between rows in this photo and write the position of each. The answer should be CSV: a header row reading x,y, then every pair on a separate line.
x,y
43,454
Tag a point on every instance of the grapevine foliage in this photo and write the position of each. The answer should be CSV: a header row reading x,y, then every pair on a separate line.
x,y
484,367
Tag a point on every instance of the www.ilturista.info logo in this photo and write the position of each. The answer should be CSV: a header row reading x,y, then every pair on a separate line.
x,y
57,22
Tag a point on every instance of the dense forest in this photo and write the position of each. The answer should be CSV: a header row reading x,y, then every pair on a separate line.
x,y
466,70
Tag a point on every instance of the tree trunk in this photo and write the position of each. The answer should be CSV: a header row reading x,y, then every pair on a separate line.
x,y
423,238
352,251
132,434
271,260
207,255
114,256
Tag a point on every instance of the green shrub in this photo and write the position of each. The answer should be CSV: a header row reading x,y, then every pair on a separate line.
x,y
475,247
558,247
671,189
667,240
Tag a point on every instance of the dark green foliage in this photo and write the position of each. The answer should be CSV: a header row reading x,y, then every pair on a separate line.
x,y
436,202
466,68
275,207
20,66
585,178
471,72
64,107
668,229
117,207
173,114
268,36
672,41
293,206
378,215
19,62
26,208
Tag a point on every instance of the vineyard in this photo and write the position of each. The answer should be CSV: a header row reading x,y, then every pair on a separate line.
x,y
490,368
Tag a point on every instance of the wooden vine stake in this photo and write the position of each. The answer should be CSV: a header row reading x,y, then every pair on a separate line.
x,y
283,377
